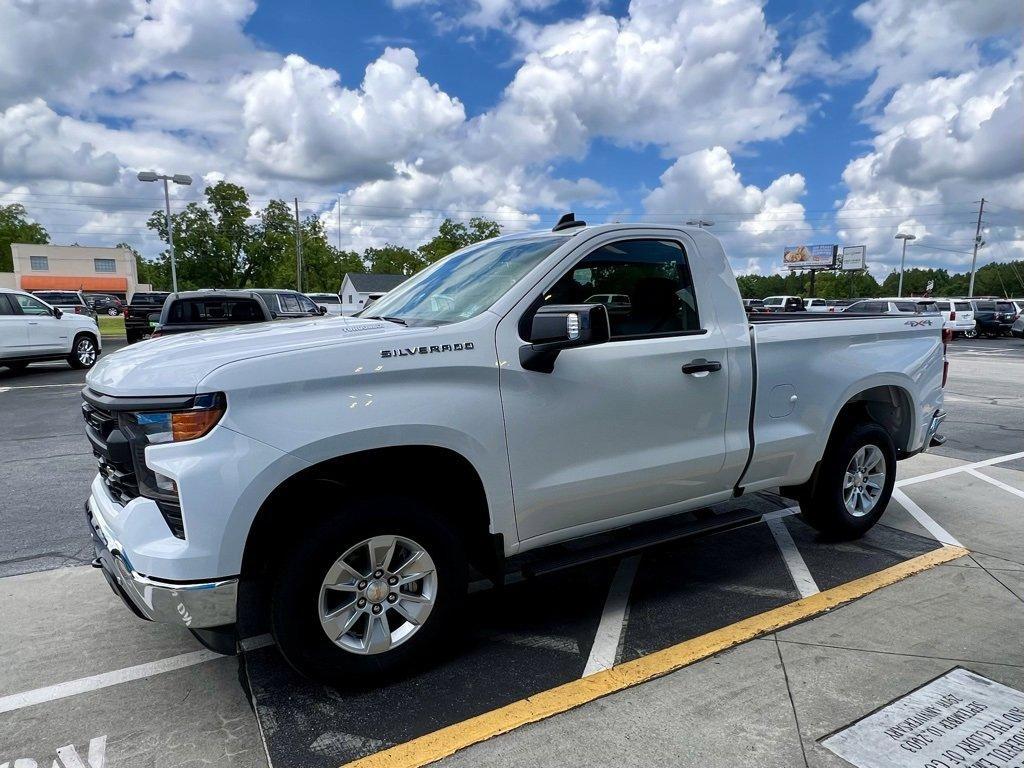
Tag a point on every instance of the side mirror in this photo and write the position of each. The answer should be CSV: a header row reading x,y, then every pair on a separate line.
x,y
57,313
563,326
322,310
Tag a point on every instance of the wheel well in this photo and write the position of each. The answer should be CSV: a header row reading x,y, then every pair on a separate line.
x,y
439,476
888,406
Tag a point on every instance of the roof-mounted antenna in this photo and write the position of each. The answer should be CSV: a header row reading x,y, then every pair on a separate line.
x,y
568,221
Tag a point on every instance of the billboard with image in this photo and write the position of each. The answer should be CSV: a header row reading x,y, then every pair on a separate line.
x,y
805,256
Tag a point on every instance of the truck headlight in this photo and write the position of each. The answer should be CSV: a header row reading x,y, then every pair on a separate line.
x,y
154,427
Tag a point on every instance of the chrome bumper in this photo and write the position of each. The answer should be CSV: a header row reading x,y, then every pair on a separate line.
x,y
195,605
933,438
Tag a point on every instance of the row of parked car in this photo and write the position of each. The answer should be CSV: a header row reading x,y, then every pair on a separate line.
x,y
61,325
985,316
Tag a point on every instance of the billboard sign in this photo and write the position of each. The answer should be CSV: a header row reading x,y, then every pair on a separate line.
x,y
854,257
805,256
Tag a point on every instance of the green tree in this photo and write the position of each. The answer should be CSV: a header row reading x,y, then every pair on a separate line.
x,y
393,260
452,236
211,241
15,227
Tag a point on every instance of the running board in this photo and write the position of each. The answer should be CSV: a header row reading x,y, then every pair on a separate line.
x,y
632,539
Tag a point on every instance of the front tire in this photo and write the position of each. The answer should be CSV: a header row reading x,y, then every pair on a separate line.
x,y
367,593
113,312
854,482
971,334
84,352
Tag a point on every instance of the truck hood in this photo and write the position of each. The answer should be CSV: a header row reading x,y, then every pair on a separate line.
x,y
176,364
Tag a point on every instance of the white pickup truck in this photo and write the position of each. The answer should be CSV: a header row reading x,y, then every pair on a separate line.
x,y
364,469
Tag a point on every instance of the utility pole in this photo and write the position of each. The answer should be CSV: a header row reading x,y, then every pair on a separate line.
x,y
298,249
339,223
977,242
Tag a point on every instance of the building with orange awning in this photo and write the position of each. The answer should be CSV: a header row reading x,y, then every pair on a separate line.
x,y
73,268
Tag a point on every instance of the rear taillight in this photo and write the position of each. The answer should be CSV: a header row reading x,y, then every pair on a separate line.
x,y
952,315
125,311
947,336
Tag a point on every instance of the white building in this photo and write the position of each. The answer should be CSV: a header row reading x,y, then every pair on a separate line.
x,y
357,288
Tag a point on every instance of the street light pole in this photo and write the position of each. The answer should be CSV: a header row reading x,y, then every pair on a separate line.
x,y
977,242
177,178
170,235
903,259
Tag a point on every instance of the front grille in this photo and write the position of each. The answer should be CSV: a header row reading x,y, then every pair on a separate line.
x,y
113,453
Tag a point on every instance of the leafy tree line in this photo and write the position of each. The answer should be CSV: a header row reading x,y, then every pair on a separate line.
x,y
1006,279
225,243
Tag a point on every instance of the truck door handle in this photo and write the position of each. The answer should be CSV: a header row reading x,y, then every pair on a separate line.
x,y
700,365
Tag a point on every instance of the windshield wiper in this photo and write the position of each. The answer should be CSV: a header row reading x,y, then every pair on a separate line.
x,y
398,320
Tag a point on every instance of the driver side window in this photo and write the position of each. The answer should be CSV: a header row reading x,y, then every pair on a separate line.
x,y
644,284
30,306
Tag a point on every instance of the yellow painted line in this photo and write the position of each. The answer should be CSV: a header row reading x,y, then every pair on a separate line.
x,y
446,741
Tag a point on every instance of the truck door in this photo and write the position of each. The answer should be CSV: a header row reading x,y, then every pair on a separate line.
x,y
616,428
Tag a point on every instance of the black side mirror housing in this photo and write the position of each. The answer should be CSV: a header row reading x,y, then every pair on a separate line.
x,y
563,326
57,313
322,310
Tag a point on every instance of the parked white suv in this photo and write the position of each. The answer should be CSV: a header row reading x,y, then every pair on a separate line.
x,y
32,331
958,315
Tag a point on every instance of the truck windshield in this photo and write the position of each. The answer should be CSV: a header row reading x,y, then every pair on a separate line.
x,y
466,283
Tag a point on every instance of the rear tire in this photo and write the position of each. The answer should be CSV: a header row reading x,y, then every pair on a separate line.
x,y
854,482
371,641
971,334
84,352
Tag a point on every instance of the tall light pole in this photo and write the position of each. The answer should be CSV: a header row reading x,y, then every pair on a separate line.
x,y
903,259
977,243
700,223
178,178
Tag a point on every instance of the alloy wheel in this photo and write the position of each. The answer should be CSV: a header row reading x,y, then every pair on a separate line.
x,y
85,351
864,480
378,594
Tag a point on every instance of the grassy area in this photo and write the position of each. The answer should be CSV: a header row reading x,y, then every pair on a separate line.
x,y
111,326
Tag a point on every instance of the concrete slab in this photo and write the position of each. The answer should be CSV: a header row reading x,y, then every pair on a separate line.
x,y
191,717
66,623
929,616
832,687
1012,477
986,519
726,711
1012,580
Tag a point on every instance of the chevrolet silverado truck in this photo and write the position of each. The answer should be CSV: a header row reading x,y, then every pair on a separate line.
x,y
360,471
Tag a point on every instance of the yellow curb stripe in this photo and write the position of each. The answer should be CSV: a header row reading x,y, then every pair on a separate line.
x,y
446,741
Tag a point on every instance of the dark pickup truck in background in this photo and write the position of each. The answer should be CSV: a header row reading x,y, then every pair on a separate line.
x,y
202,310
142,313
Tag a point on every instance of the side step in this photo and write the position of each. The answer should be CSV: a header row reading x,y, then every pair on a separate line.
x,y
631,539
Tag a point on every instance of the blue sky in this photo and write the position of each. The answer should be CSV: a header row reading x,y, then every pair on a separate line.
x,y
786,121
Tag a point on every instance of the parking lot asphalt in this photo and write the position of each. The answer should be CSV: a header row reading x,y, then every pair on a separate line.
x,y
83,676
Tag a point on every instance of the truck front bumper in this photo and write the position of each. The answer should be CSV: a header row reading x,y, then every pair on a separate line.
x,y
193,605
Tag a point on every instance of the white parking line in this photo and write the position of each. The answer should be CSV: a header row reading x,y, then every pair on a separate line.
x,y
104,680
605,649
996,483
961,468
118,676
795,564
941,535
78,384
